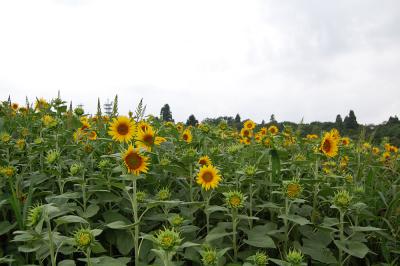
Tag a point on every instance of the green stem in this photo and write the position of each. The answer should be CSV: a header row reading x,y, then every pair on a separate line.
x,y
251,206
191,182
341,236
207,213
136,221
286,225
234,226
51,242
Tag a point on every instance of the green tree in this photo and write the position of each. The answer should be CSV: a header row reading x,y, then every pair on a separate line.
x,y
192,121
98,114
350,121
166,114
115,106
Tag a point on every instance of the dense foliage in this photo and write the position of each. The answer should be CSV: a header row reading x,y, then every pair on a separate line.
x,y
135,190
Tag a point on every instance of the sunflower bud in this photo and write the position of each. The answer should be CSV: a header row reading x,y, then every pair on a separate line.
x,y
141,196
342,199
104,164
52,156
209,257
83,238
292,189
250,170
260,259
234,199
75,168
176,220
34,215
294,257
164,194
5,137
167,239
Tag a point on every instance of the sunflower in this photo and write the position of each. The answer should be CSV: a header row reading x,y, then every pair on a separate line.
x,y
134,161
143,126
335,133
329,145
246,133
187,136
205,160
41,104
122,129
263,131
345,141
273,130
14,106
85,125
145,137
208,177
375,150
249,124
92,135
311,136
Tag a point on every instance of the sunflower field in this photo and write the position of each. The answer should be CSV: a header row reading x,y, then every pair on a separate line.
x,y
78,189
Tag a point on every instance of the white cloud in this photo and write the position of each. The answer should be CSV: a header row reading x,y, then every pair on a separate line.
x,y
311,59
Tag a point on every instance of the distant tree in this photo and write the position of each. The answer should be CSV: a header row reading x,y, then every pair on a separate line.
x,y
27,102
192,121
98,114
262,122
237,119
166,114
115,106
339,121
350,121
272,119
393,120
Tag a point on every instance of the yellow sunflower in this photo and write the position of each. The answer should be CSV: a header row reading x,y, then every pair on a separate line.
x,y
204,160
249,124
329,145
143,126
134,161
187,136
263,131
311,136
85,125
92,135
246,133
41,104
208,177
345,141
145,138
122,129
14,106
335,133
273,130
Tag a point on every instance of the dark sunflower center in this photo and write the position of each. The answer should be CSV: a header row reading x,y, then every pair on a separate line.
x,y
327,145
208,177
123,129
249,125
134,160
246,133
148,139
202,162
185,136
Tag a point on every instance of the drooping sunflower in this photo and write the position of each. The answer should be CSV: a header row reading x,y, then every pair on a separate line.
x,y
204,160
249,124
135,162
329,145
122,129
273,130
208,177
187,136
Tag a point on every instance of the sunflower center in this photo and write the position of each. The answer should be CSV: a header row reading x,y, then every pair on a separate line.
x,y
246,133
123,129
202,162
185,136
207,177
326,146
133,160
148,139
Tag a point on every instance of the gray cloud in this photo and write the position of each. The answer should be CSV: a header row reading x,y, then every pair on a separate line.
x,y
311,59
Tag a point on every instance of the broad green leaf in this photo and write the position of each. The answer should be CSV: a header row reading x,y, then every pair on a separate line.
x,y
354,248
70,219
295,218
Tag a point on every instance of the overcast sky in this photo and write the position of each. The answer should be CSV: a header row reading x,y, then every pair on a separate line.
x,y
296,59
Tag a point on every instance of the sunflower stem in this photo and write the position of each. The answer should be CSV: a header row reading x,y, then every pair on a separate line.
x,y
234,226
135,220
